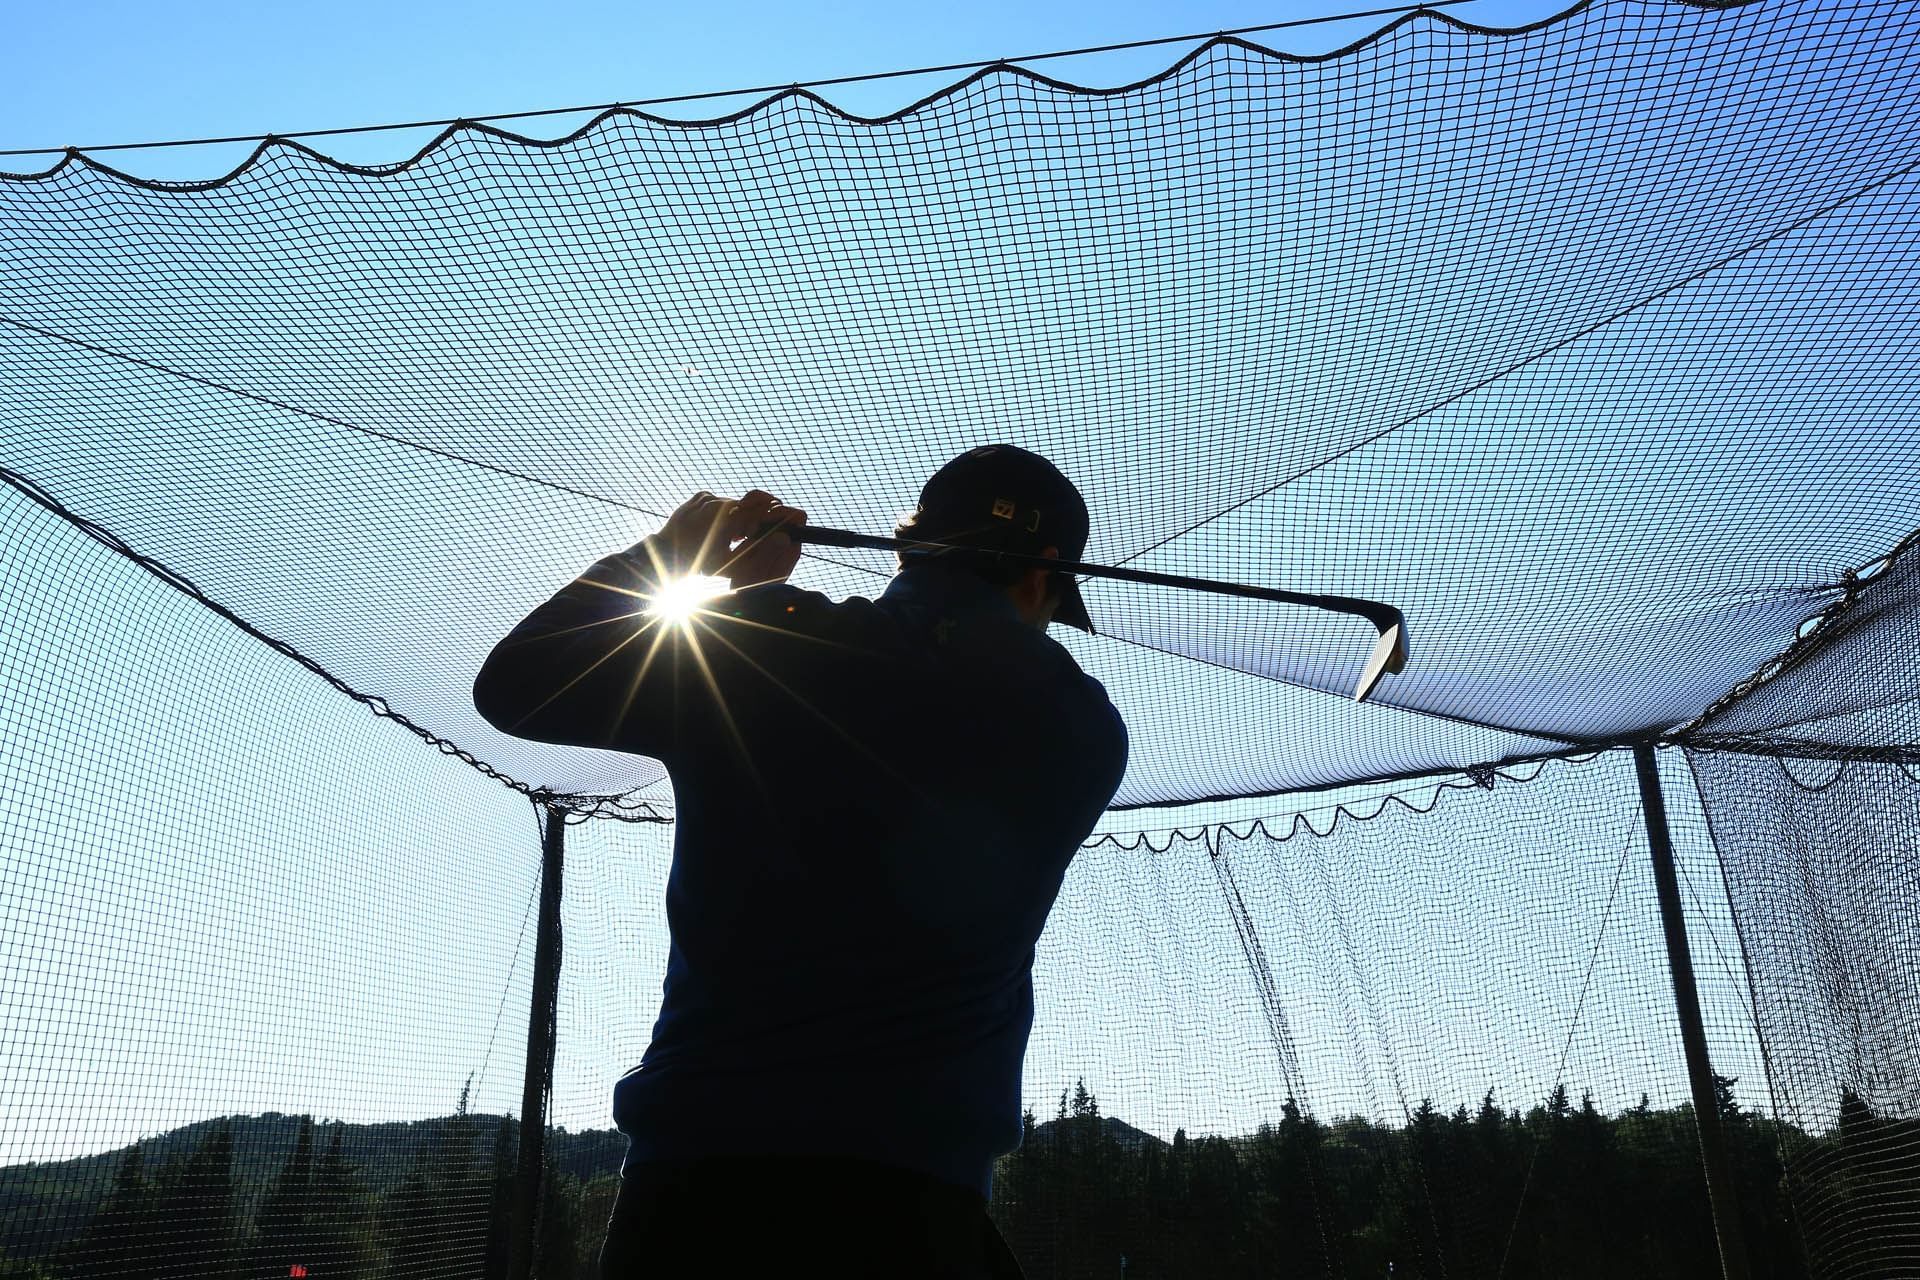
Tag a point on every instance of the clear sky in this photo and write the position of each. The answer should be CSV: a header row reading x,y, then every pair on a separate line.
x,y
123,72
123,1040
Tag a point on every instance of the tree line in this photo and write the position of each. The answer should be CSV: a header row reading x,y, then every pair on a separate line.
x,y
446,1217
1563,1190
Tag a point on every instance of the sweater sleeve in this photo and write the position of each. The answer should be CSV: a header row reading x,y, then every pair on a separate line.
x,y
592,668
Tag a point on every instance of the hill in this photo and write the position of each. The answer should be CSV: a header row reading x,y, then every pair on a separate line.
x,y
45,1204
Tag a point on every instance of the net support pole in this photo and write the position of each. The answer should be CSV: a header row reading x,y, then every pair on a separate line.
x,y
529,1173
1693,1035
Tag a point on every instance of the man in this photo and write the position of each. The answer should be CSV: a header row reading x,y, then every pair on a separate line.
x,y
876,802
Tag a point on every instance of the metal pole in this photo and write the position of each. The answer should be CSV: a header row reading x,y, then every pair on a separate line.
x,y
529,1175
1693,1036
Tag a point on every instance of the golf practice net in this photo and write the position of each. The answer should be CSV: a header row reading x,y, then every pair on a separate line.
x,y
1590,346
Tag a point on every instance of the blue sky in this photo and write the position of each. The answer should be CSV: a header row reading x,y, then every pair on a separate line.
x,y
345,942
122,72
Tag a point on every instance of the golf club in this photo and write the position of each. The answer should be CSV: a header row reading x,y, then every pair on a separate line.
x,y
1389,655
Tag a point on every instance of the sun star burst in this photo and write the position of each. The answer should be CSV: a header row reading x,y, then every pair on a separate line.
x,y
678,600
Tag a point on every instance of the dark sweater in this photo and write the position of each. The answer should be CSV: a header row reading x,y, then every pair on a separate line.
x,y
876,801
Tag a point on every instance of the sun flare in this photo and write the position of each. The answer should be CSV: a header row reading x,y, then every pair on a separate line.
x,y
680,599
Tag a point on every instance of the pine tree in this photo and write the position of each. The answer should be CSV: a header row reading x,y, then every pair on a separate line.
x,y
1489,1123
559,1248
281,1238
1723,1096
22,1269
502,1165
434,1221
113,1244
195,1205
337,1220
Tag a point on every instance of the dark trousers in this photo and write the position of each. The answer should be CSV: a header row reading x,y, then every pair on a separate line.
x,y
800,1216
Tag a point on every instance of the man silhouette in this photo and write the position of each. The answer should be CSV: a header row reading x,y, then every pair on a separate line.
x,y
876,801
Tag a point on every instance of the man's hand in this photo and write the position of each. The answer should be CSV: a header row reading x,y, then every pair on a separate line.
x,y
721,538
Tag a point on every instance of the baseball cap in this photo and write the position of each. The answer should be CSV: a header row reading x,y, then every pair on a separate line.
x,y
1009,499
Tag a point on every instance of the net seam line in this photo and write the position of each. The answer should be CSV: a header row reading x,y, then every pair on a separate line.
x,y
317,416
1813,637
1541,354
499,1013
105,537
1777,1097
541,482
1594,747
611,804
800,90
1799,749
1566,1048
1267,991
1127,841
372,432
556,486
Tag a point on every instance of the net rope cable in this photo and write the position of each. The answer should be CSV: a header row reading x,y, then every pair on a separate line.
x,y
1493,718
1589,344
829,82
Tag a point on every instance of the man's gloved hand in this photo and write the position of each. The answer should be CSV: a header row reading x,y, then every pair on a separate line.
x,y
722,538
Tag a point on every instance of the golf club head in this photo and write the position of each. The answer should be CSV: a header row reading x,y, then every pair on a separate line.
x,y
1389,657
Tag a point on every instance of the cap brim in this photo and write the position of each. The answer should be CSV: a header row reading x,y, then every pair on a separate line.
x,y
1073,610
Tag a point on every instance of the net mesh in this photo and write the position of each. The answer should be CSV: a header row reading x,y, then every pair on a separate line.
x,y
243,992
1589,345
1430,322
1815,810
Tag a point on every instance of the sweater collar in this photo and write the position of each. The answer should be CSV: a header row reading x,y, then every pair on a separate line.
x,y
950,589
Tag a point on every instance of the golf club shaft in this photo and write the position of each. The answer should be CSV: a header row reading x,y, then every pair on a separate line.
x,y
1382,616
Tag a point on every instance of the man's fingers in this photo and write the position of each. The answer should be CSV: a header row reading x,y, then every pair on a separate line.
x,y
705,529
749,511
691,505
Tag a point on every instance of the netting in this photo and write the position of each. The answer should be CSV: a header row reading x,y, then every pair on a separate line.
x,y
1818,837
1590,346
1392,323
235,904
1460,992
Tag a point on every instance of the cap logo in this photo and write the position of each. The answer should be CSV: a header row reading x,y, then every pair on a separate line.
x,y
1003,508
1033,520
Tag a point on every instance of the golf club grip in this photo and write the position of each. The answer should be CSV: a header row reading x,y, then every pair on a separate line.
x,y
1382,616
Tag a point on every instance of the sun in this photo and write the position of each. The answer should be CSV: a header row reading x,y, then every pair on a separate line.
x,y
678,600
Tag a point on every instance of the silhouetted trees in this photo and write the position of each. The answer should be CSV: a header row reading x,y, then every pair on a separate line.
x,y
340,1237
192,1228
1562,1190
282,1240
118,1241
